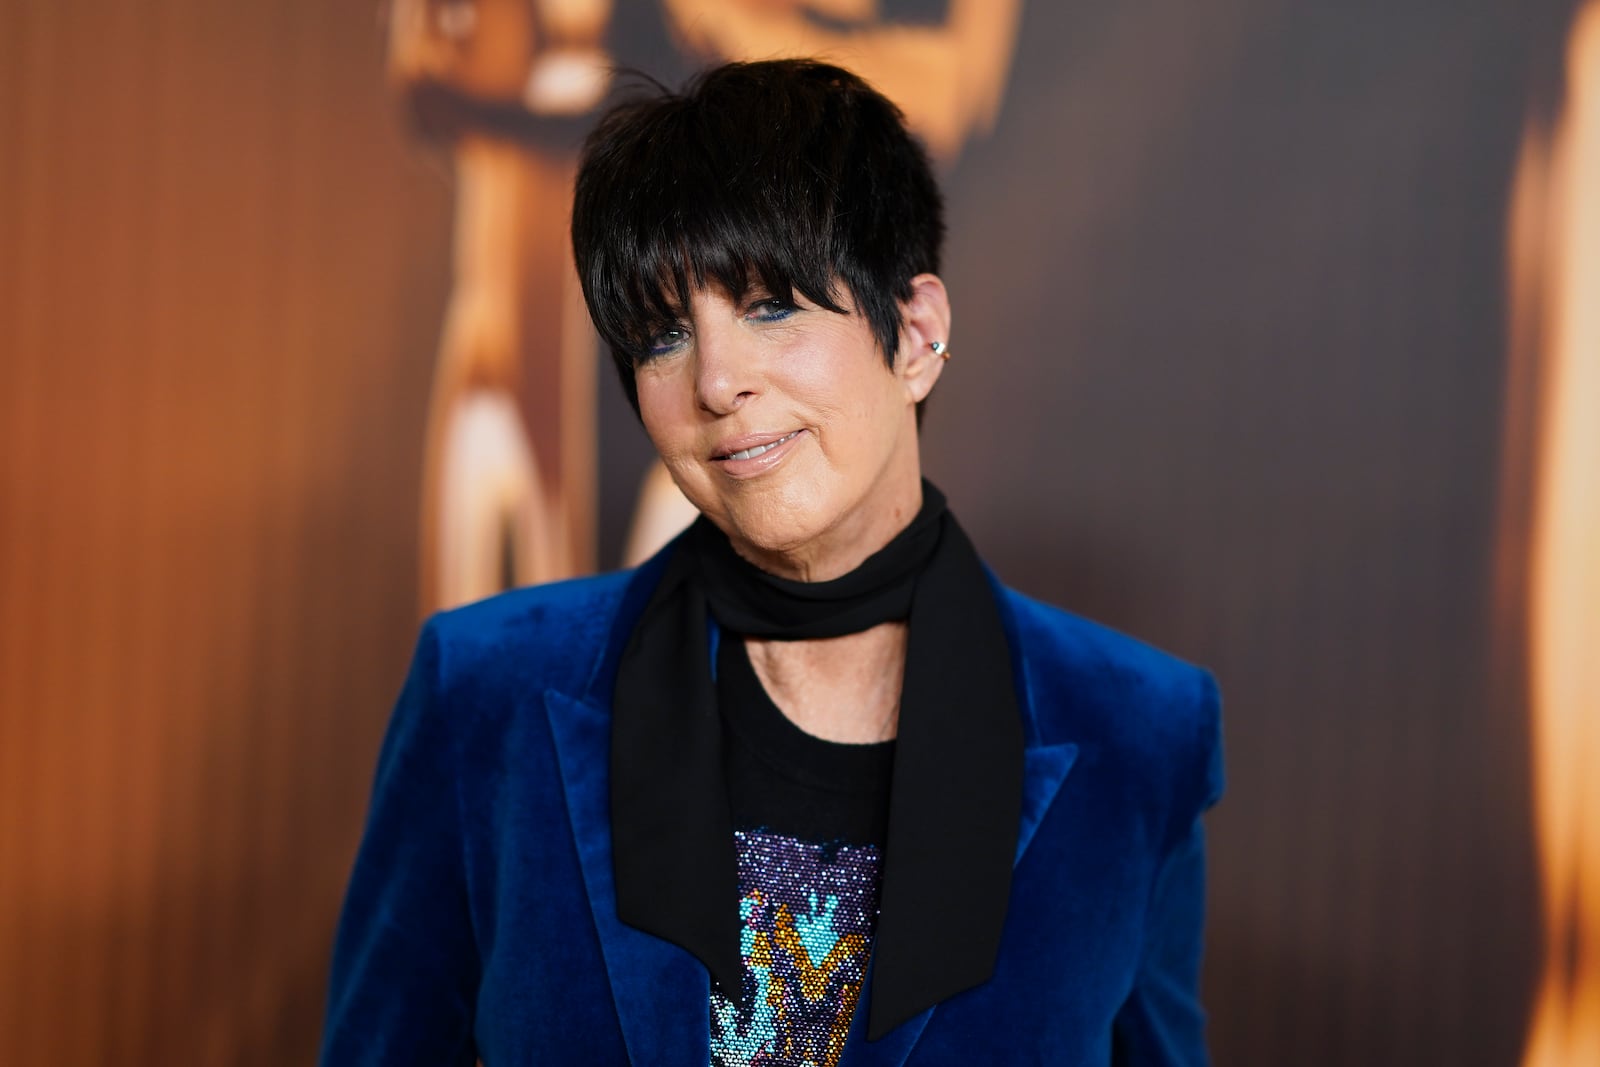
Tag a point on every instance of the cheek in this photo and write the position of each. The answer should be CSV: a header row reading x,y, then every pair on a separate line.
x,y
841,373
660,410
852,397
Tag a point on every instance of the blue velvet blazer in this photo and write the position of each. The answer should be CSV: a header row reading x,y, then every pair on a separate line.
x,y
480,920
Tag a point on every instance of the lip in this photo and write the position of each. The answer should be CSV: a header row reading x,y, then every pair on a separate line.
x,y
776,445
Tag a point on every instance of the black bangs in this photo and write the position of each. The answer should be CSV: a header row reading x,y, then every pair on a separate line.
x,y
786,176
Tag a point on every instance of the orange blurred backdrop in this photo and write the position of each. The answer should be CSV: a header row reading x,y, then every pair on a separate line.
x,y
1247,369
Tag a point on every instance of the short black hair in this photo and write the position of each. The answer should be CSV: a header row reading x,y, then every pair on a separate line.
x,y
786,174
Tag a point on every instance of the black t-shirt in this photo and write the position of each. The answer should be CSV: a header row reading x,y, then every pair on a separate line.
x,y
810,820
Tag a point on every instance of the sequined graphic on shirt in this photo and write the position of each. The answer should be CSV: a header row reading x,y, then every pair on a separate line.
x,y
806,917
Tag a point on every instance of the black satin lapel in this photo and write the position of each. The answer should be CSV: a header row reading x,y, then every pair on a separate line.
x,y
955,803
672,834
660,990
891,1049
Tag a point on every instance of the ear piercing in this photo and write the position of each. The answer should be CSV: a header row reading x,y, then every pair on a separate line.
x,y
940,349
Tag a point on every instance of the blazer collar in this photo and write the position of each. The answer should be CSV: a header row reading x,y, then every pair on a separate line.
x,y
662,991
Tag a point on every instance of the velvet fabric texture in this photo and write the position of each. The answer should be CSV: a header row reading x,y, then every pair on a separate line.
x,y
481,919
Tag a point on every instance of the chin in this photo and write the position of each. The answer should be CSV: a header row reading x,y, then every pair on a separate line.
x,y
780,530
780,537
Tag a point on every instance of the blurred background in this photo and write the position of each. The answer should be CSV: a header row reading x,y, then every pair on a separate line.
x,y
1277,328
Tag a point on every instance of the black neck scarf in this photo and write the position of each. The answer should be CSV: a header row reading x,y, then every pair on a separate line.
x,y
956,794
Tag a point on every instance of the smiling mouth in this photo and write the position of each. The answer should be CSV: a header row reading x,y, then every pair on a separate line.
x,y
752,453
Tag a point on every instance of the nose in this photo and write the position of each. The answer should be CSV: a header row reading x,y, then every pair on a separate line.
x,y
726,367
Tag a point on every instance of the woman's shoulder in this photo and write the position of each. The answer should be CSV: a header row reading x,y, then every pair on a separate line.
x,y
541,637
1063,642
1088,683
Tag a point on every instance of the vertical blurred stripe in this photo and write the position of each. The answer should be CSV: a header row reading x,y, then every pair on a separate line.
x,y
221,267
1556,285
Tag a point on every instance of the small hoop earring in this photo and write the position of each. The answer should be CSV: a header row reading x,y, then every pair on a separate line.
x,y
940,349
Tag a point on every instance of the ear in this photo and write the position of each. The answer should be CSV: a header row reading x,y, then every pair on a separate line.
x,y
924,319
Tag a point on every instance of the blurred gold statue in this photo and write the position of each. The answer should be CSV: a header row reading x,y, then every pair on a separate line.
x,y
947,78
509,467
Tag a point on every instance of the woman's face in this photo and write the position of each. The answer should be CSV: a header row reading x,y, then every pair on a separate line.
x,y
786,427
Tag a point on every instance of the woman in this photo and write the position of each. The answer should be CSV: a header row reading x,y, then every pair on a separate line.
x,y
809,787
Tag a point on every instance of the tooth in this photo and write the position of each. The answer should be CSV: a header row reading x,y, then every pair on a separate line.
x,y
756,450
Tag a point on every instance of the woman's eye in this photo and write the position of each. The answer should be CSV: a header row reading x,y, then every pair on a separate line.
x,y
771,309
667,341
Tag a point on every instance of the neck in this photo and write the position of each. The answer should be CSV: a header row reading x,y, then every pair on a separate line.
x,y
830,654
844,689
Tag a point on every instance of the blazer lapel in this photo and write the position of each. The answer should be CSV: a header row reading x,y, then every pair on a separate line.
x,y
892,1048
661,992
1045,767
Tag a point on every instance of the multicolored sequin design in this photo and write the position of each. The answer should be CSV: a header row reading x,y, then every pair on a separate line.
x,y
807,913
